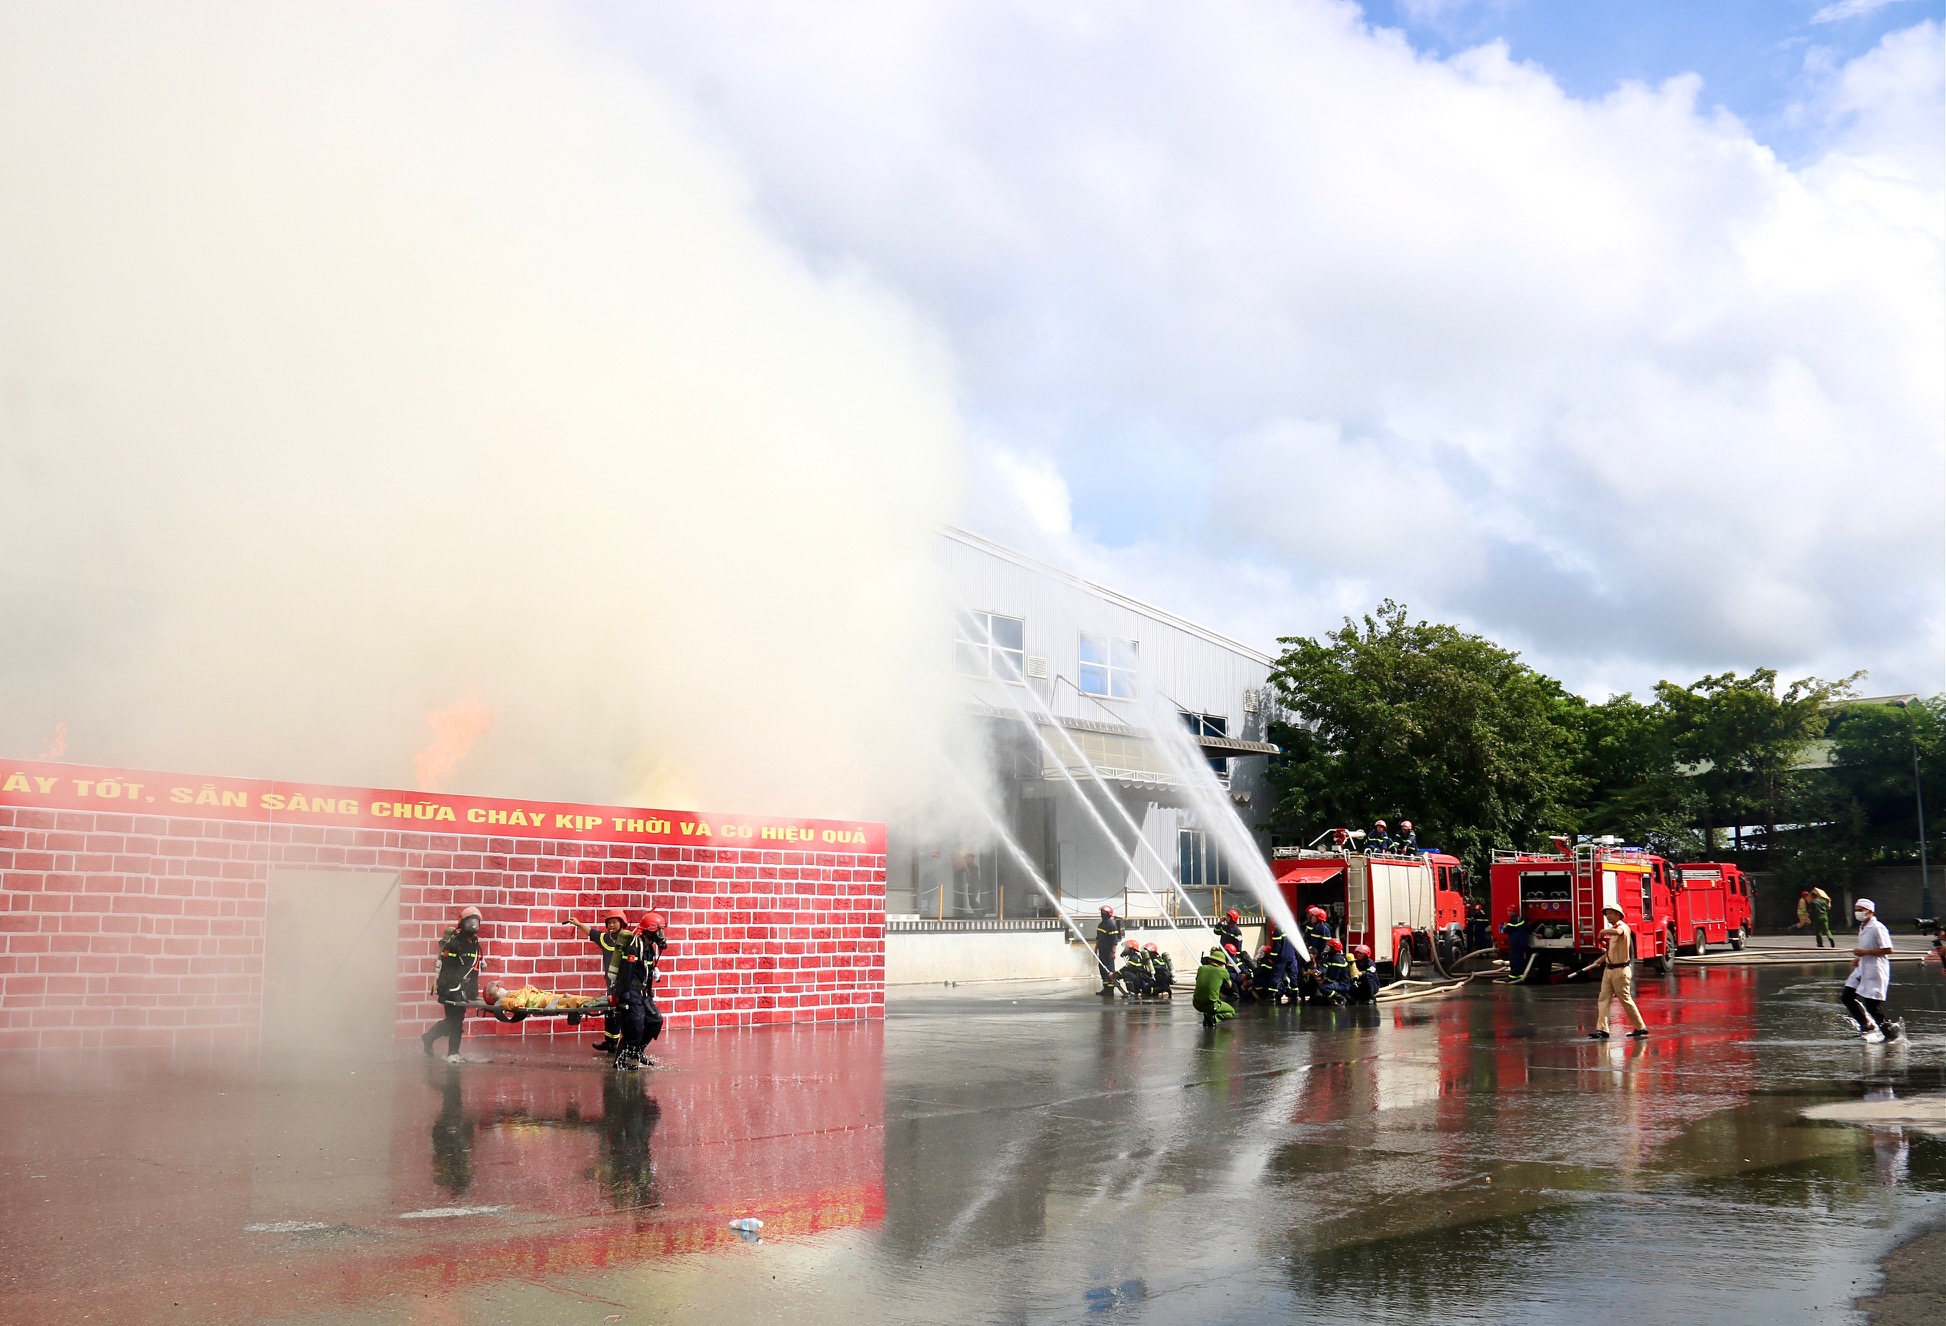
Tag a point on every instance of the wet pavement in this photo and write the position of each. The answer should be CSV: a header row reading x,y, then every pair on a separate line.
x,y
1006,1154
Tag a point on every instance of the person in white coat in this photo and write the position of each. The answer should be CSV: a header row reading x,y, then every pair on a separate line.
x,y
1871,974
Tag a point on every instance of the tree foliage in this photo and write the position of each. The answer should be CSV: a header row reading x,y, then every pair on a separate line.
x,y
1405,719
1388,717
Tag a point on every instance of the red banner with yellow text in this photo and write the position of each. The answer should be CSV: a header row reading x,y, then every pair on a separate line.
x,y
49,786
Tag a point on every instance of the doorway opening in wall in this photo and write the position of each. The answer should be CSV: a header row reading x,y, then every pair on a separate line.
x,y
331,963
1201,870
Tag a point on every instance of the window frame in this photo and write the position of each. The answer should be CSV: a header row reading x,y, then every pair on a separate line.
x,y
988,648
1113,671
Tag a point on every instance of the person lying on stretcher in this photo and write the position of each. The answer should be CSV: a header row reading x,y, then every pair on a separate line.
x,y
499,996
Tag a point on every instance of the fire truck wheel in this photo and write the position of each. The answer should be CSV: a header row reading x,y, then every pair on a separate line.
x,y
1402,961
1702,943
1659,964
1738,936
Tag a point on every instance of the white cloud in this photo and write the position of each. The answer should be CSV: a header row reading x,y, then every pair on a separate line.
x,y
1843,9
1623,386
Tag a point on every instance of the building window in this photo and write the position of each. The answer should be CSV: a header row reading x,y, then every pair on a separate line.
x,y
1107,666
1211,725
988,645
1200,868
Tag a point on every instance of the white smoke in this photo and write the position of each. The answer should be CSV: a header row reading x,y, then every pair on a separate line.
x,y
359,360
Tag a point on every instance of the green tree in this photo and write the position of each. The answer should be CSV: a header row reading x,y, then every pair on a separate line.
x,y
1625,776
1405,719
1740,741
1871,776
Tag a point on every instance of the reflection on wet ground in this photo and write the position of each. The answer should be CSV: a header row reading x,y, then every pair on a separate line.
x,y
999,1154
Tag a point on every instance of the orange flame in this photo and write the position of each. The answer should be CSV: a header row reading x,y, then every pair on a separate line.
x,y
454,731
57,747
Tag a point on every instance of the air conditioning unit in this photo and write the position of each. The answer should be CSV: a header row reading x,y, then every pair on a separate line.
x,y
1037,665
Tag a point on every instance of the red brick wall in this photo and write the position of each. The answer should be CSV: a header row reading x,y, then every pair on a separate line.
x,y
135,929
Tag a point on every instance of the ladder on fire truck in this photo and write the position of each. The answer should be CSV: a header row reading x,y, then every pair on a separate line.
x,y
1587,879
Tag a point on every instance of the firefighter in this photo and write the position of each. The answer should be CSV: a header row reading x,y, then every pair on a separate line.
x,y
1616,965
1334,974
1871,975
1286,968
1479,926
1108,931
457,983
1316,928
641,1021
1135,975
1820,907
1379,841
1364,975
609,939
1211,974
1229,930
1407,841
1162,970
1518,933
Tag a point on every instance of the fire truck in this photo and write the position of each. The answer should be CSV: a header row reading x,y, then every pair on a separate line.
x,y
1713,906
1561,894
1409,909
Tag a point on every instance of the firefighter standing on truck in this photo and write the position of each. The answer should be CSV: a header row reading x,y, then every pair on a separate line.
x,y
456,984
1108,931
611,939
1617,975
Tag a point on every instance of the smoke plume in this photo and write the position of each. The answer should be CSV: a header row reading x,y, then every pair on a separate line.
x,y
354,358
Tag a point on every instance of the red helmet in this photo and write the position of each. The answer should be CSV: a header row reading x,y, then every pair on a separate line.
x,y
1335,946
1230,949
1107,909
614,914
1149,948
1513,913
652,922
473,912
1406,825
1378,824
1232,915
1314,913
1132,946
1362,950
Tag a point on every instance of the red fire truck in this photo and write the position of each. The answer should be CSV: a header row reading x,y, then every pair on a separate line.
x,y
1409,909
1560,895
1713,906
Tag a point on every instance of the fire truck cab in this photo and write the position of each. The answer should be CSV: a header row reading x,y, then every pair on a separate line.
x,y
1561,894
1409,909
1712,906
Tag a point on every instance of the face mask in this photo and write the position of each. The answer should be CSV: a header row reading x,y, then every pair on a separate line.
x,y
471,925
1861,917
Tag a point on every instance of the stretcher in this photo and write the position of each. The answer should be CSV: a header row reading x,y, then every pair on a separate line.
x,y
600,1009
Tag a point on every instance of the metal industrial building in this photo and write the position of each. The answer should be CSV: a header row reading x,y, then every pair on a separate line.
x,y
1058,671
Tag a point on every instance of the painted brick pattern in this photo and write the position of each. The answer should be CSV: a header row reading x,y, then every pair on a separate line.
x,y
131,929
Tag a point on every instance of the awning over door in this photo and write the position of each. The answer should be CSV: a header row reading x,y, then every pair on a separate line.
x,y
1308,872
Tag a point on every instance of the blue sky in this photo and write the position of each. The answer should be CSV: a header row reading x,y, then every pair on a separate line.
x,y
1755,56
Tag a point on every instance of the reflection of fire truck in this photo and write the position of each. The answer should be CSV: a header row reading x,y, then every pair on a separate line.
x,y
1409,909
1713,906
1561,894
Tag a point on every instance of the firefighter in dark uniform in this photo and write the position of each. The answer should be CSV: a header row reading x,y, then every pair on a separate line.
x,y
1135,974
1518,934
1286,969
456,984
1379,841
1229,930
1407,841
1334,974
609,939
1364,975
1162,970
640,1021
1108,933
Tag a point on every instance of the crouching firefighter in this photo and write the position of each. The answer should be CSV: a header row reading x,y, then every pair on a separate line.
x,y
1364,975
1208,999
1136,976
1162,972
1334,974
457,983
610,939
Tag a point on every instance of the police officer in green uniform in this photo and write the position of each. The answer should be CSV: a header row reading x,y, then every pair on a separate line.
x,y
1208,999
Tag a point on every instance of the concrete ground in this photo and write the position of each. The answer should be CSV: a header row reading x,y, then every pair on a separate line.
x,y
1011,1153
